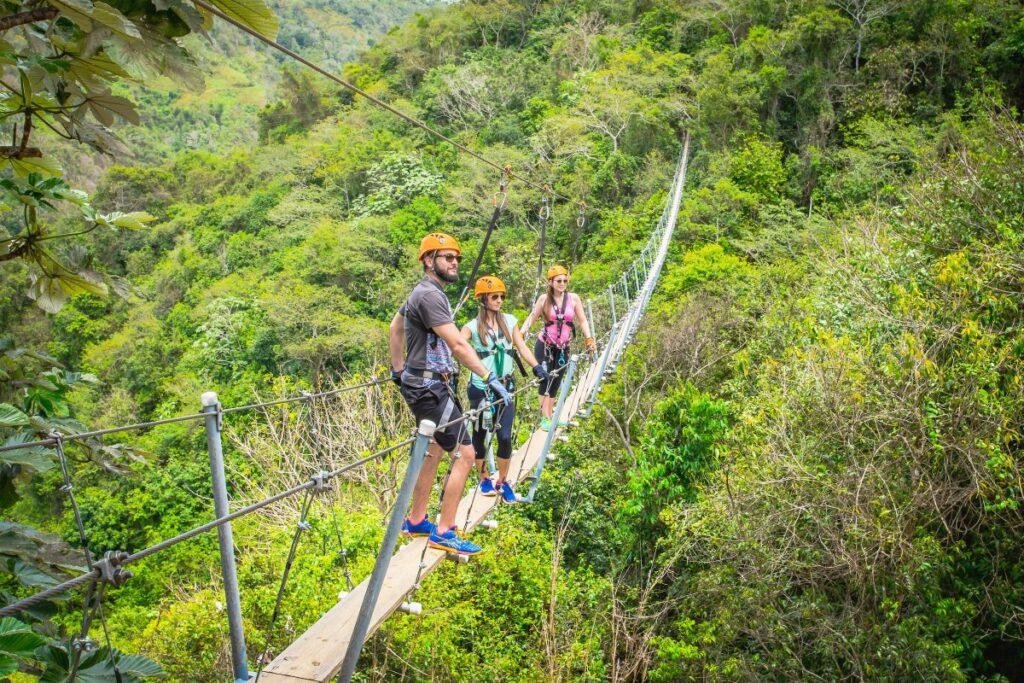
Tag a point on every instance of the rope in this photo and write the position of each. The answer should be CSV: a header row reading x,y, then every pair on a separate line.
x,y
88,607
302,525
498,206
94,574
362,93
51,441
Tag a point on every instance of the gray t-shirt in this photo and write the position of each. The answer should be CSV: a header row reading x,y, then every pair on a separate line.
x,y
426,308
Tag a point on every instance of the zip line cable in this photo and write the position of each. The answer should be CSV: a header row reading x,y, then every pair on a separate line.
x,y
375,100
499,204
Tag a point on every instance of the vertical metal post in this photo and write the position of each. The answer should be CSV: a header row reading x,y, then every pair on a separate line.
x,y
636,277
590,319
211,406
605,354
611,301
387,549
563,391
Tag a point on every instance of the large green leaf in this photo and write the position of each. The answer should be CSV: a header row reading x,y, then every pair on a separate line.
x,y
135,220
105,105
35,457
8,665
51,292
78,11
138,666
11,416
17,638
108,16
41,165
253,13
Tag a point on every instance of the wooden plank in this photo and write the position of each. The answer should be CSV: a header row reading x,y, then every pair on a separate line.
x,y
317,654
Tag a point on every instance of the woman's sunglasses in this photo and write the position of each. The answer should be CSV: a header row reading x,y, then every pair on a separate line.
x,y
497,297
561,281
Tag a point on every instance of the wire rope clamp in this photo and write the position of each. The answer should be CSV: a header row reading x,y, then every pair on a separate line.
x,y
209,399
458,558
303,525
111,570
83,644
491,524
413,608
321,482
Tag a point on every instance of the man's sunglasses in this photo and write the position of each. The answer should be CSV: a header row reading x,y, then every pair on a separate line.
x,y
457,258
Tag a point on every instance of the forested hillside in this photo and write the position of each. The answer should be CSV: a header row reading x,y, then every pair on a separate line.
x,y
808,467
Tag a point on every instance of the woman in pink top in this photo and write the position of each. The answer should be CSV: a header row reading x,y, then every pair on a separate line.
x,y
561,311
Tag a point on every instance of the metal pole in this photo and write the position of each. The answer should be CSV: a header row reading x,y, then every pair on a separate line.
x,y
211,406
563,391
387,549
590,319
592,399
636,277
611,301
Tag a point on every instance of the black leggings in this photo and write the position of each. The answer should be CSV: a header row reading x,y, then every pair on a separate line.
x,y
503,418
554,359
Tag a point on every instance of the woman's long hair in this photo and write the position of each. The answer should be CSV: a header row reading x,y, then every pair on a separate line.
x,y
483,328
549,301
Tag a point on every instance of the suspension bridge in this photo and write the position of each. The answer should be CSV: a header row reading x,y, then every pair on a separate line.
x,y
332,645
319,653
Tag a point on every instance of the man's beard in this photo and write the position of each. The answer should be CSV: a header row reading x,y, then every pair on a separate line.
x,y
447,275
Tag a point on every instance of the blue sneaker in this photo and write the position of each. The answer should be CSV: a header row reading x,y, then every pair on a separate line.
x,y
422,528
487,487
508,494
450,542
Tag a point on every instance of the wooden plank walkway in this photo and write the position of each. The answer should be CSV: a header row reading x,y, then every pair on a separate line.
x,y
317,654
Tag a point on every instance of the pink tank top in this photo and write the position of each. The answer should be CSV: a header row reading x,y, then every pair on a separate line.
x,y
558,328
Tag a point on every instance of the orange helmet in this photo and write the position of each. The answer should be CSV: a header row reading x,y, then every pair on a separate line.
x,y
489,284
438,240
555,271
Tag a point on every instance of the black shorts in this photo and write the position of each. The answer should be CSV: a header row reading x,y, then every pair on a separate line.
x,y
436,402
555,360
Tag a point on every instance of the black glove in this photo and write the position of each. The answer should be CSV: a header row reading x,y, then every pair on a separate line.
x,y
396,377
540,372
494,384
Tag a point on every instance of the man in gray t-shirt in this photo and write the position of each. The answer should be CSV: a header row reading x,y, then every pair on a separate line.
x,y
423,342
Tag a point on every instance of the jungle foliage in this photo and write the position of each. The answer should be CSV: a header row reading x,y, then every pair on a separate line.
x,y
809,464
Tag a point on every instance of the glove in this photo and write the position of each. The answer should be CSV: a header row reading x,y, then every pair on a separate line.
x,y
396,377
590,344
540,372
494,384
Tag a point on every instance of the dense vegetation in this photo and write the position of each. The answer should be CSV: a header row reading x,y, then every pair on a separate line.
x,y
809,465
